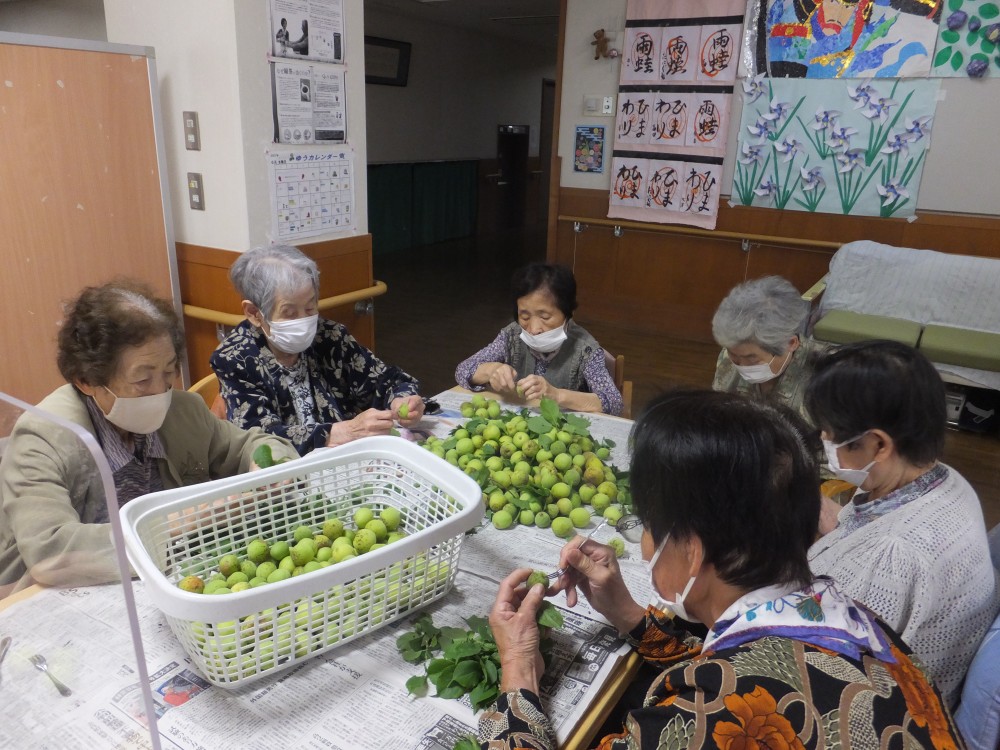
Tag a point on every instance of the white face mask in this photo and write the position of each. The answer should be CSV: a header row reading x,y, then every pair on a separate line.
x,y
676,607
761,373
547,341
293,336
141,415
857,477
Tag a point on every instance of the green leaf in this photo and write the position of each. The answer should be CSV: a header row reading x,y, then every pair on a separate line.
x,y
957,61
950,36
408,641
451,634
482,695
539,425
549,616
413,656
452,691
987,46
942,57
549,409
576,421
262,456
955,4
437,666
462,649
467,674
989,10
466,743
417,685
492,675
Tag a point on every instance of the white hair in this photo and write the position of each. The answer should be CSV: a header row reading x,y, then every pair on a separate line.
x,y
263,274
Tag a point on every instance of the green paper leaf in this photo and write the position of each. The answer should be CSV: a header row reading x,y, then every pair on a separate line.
x,y
957,61
989,10
417,685
955,4
950,36
987,46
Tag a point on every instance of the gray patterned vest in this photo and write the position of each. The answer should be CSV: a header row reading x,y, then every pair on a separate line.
x,y
565,370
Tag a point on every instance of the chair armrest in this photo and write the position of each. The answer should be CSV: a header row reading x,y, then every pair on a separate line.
x,y
813,293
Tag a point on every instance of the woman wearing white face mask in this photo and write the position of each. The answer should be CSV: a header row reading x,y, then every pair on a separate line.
x,y
294,374
119,348
765,355
787,657
544,353
912,545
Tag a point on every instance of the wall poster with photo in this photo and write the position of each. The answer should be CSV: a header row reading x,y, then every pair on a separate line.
x,y
307,29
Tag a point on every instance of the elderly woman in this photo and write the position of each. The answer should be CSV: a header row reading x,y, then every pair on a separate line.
x,y
788,661
760,326
290,372
912,543
119,349
544,353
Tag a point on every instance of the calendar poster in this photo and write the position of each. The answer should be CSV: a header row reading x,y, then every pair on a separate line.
x,y
312,191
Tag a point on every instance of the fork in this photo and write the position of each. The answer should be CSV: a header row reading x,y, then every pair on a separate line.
x,y
623,524
40,664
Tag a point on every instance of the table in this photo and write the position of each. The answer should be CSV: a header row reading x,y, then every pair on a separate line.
x,y
78,655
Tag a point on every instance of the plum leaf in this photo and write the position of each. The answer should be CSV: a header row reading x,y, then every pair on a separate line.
x,y
549,409
417,685
549,616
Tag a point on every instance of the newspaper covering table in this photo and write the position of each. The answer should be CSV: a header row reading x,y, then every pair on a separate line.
x,y
353,696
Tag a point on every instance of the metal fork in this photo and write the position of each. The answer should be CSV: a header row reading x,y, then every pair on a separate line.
x,y
626,523
40,664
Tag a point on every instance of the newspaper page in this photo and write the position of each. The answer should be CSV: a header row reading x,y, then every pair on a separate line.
x,y
308,29
309,103
338,699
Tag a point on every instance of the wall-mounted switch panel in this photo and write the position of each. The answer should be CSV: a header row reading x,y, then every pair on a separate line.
x,y
192,133
196,191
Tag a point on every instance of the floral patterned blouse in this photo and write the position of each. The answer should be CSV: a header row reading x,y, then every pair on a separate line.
x,y
762,685
335,379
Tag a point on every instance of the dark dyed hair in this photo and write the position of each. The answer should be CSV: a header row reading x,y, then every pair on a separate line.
x,y
106,320
737,474
557,279
885,385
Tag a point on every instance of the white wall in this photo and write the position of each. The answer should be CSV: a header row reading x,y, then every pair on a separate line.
x,y
461,86
77,19
962,169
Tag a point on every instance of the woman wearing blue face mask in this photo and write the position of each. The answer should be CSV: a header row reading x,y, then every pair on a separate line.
x,y
727,492
119,350
765,355
912,544
544,353
293,374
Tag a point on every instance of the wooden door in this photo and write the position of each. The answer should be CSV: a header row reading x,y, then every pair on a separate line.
x,y
81,195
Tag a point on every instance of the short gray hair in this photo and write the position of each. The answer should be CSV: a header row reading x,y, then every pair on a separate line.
x,y
767,312
263,274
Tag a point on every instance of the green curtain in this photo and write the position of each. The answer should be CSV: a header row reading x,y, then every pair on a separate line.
x,y
421,203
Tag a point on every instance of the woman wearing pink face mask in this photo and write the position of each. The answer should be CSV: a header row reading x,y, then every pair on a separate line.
x,y
912,544
544,353
765,355
292,373
727,493
119,350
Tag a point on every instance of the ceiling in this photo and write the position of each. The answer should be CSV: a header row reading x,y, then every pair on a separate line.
x,y
534,22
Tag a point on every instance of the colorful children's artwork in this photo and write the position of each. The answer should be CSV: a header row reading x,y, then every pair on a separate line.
x,y
847,147
589,156
678,72
844,38
968,40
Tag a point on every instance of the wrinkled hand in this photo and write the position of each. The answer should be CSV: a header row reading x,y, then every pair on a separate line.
x,y
515,630
592,568
369,422
414,406
829,512
502,378
535,387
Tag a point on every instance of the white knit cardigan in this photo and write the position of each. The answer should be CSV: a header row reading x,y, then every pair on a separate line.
x,y
925,569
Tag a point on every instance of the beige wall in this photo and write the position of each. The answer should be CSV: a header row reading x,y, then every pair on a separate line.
x,y
78,19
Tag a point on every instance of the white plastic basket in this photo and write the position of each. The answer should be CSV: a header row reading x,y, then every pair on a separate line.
x,y
238,637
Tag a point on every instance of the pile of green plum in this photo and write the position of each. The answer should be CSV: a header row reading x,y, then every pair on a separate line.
x,y
544,469
309,550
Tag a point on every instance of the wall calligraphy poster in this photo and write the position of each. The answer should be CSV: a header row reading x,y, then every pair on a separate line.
x,y
834,39
678,70
845,146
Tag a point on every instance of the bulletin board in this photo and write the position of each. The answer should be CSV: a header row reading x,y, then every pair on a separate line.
x,y
82,195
